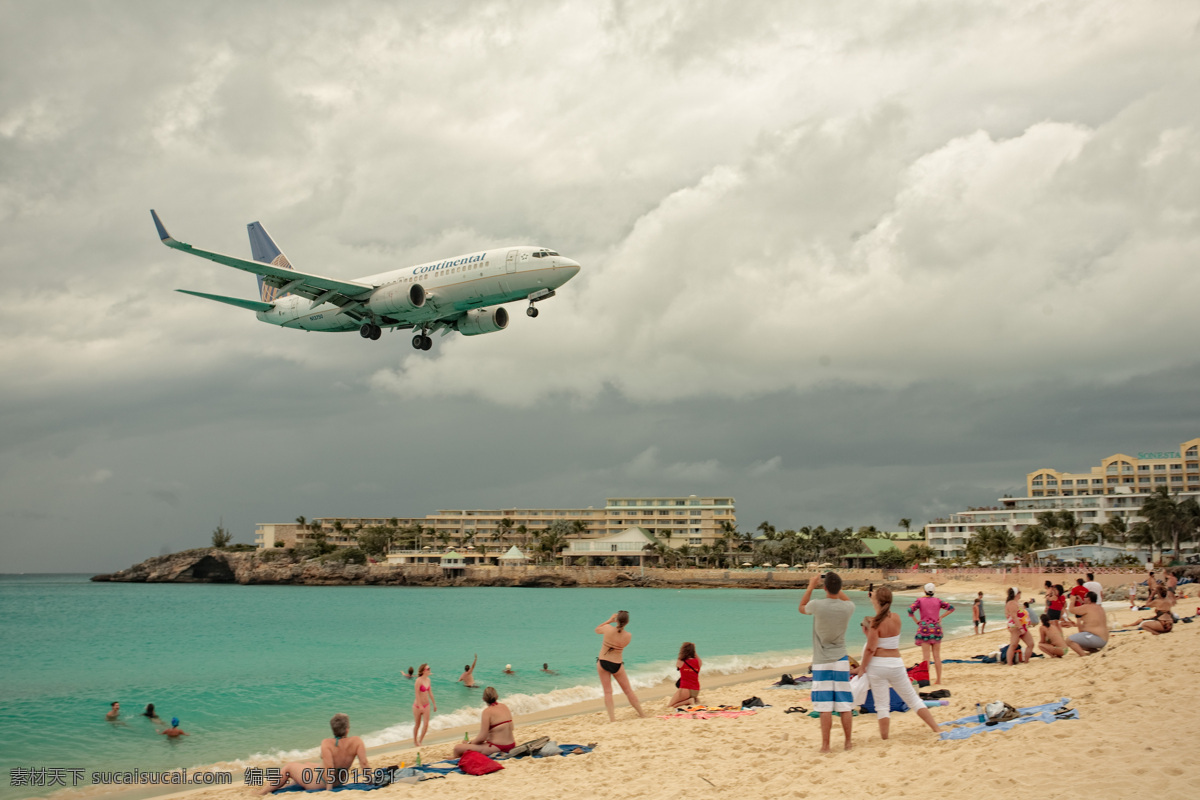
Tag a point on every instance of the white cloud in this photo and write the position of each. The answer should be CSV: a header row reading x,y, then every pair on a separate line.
x,y
98,477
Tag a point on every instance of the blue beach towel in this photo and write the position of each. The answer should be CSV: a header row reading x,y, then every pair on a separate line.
x,y
1043,713
868,706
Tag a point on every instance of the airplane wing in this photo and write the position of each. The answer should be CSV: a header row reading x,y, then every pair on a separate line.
x,y
252,305
317,288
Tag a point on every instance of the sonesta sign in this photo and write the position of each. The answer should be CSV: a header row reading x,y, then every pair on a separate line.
x,y
1158,455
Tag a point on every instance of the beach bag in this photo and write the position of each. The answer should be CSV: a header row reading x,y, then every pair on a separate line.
x,y
919,673
474,763
787,680
753,702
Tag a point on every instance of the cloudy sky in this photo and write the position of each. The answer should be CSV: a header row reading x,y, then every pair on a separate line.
x,y
845,262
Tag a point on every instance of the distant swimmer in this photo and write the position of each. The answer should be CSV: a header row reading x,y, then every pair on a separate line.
x,y
114,712
508,670
408,674
546,669
468,677
337,755
174,731
151,713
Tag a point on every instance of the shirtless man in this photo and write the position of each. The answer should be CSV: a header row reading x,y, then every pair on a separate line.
x,y
1093,626
468,677
337,755
113,712
1050,639
174,732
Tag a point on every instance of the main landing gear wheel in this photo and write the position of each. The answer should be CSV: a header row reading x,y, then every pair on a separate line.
x,y
370,331
421,342
376,333
532,311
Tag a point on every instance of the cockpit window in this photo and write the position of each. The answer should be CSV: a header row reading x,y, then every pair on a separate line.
x,y
544,253
551,253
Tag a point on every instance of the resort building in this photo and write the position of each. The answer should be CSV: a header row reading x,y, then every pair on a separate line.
x,y
677,521
1115,488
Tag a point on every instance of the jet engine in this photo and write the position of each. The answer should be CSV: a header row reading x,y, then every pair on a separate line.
x,y
483,320
397,299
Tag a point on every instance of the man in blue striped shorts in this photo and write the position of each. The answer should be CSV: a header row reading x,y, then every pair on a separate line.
x,y
831,665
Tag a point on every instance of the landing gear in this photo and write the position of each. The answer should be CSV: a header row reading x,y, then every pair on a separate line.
x,y
421,342
370,331
532,310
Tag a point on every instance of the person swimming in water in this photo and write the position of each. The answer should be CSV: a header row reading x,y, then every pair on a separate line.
x,y
546,669
174,732
113,713
467,679
408,674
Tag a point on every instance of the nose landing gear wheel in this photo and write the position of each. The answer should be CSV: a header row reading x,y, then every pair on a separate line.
x,y
532,311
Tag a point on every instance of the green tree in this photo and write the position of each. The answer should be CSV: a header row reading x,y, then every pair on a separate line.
x,y
220,536
504,530
906,523
890,558
1172,520
918,553
376,540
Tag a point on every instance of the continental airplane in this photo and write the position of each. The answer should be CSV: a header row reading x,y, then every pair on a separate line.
x,y
454,294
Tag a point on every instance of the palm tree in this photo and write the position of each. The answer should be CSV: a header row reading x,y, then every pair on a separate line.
x,y
1115,530
302,521
503,529
1172,520
1148,535
906,523
768,530
918,553
1034,538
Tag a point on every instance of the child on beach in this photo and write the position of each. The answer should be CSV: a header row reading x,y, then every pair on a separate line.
x,y
929,627
1050,639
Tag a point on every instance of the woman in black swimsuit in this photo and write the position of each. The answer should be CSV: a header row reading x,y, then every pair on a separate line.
x,y
611,662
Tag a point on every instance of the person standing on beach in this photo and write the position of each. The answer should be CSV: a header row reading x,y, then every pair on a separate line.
x,y
1018,626
611,661
977,615
1132,596
884,667
1093,585
421,703
831,663
337,755
1093,626
929,627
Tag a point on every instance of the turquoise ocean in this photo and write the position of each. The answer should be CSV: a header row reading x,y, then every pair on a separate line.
x,y
255,672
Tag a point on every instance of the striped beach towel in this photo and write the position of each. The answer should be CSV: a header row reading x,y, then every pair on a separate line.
x,y
831,686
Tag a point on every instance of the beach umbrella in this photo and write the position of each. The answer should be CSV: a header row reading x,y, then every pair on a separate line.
x,y
928,563
747,564
822,566
985,563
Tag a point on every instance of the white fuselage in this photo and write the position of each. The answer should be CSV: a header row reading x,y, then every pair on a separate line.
x,y
458,284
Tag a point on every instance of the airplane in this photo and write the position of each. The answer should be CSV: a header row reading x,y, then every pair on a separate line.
x,y
453,294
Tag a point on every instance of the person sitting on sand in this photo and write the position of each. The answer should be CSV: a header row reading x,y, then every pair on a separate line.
x,y
1093,626
337,754
831,663
929,627
114,712
688,664
1163,620
546,669
497,733
421,703
468,677
1018,626
1050,639
174,731
611,661
884,667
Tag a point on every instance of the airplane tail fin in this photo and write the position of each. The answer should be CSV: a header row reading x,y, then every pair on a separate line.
x,y
263,249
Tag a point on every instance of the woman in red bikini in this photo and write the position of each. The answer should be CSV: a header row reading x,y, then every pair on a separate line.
x,y
688,665
421,703
611,661
497,734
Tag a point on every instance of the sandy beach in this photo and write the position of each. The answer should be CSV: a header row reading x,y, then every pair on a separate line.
x,y
1135,699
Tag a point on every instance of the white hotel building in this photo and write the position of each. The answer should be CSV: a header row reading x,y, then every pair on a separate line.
x,y
1115,488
